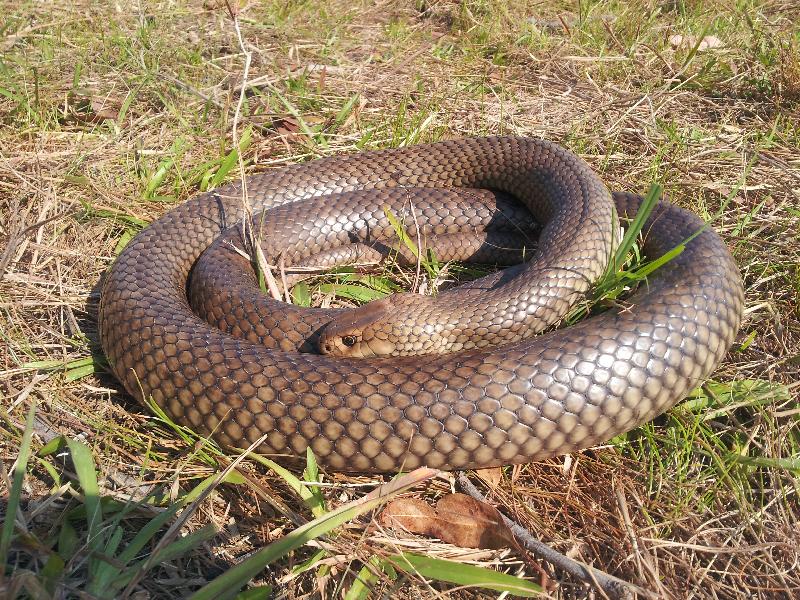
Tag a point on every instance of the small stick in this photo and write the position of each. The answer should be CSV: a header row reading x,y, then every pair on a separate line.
x,y
415,287
606,584
641,559
282,271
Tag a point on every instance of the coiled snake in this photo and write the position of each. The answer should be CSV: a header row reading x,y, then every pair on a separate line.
x,y
463,404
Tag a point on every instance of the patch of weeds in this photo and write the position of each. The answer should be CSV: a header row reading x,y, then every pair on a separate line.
x,y
444,50
94,542
708,442
411,122
72,369
627,267
397,31
106,546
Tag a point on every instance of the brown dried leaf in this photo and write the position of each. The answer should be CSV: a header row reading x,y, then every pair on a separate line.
x,y
287,126
493,475
516,472
231,5
458,519
463,521
291,127
93,109
708,42
409,514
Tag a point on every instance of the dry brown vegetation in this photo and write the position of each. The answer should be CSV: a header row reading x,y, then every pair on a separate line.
x,y
110,113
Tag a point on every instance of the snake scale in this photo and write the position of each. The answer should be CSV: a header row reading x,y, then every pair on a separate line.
x,y
465,403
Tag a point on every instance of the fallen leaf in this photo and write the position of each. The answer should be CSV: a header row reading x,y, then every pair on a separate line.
x,y
679,41
469,523
493,475
458,519
708,42
409,514
92,109
287,126
290,126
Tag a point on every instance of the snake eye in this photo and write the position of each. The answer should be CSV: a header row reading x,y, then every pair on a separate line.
x,y
349,340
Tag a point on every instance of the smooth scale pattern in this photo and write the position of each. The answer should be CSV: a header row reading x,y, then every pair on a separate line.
x,y
526,399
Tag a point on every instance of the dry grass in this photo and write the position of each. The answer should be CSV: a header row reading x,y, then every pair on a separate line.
x,y
94,97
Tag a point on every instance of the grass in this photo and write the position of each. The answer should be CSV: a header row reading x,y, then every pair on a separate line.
x,y
110,115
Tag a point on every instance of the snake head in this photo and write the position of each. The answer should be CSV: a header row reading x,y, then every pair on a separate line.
x,y
374,329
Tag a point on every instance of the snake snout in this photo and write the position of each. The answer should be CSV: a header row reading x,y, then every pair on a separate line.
x,y
357,332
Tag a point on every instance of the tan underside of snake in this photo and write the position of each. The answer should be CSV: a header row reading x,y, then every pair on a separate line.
x,y
526,398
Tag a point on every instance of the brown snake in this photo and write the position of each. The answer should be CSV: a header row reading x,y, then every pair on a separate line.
x,y
529,398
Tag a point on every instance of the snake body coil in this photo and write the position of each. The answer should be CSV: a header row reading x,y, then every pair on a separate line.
x,y
529,398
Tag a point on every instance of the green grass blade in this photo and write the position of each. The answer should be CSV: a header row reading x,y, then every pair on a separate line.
x,y
106,571
52,572
747,341
231,160
345,111
377,283
301,122
80,372
204,447
228,584
233,478
311,473
184,545
73,369
301,295
51,471
113,215
180,547
791,463
294,482
68,540
716,399
87,477
651,266
400,232
129,100
366,578
157,178
7,533
358,293
635,226
148,532
123,241
430,268
463,575
695,47
113,542
262,592
50,365
310,563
